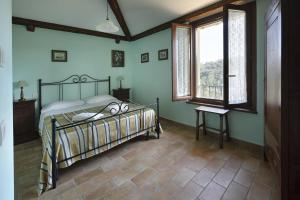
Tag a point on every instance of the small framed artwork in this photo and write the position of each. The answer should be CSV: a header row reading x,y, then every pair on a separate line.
x,y
163,54
59,56
117,58
144,57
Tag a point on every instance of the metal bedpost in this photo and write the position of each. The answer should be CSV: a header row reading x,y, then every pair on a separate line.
x,y
40,96
53,152
109,92
157,118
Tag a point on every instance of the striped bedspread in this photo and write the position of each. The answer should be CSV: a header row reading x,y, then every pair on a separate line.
x,y
106,133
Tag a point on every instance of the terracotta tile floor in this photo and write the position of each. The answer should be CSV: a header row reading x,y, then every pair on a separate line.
x,y
174,167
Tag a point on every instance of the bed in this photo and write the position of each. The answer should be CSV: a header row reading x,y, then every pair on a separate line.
x,y
101,126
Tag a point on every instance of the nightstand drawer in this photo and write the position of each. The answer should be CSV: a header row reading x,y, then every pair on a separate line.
x,y
24,121
22,113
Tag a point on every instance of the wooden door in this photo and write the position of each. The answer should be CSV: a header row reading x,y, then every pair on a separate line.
x,y
290,137
282,95
273,89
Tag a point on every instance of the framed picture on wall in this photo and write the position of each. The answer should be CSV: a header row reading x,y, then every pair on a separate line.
x,y
163,54
59,56
117,58
144,57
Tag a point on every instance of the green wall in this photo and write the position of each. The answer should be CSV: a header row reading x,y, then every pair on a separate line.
x,y
6,148
86,55
91,55
154,79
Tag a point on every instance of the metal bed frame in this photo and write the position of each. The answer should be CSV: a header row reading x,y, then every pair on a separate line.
x,y
122,109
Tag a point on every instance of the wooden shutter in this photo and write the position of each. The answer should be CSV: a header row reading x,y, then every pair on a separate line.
x,y
181,70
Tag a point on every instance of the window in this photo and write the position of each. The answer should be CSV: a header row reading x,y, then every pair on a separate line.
x,y
214,59
209,61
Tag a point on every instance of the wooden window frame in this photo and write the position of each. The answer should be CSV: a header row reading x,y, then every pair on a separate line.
x,y
250,106
250,9
195,25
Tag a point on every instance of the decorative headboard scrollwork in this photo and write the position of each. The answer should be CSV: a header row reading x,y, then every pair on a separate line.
x,y
77,79
73,79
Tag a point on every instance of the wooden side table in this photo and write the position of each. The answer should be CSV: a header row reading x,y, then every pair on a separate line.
x,y
121,93
219,111
24,121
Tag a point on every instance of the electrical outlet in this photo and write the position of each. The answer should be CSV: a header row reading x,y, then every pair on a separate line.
x,y
1,57
2,132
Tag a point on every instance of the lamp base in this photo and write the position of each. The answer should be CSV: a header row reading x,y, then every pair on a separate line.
x,y
22,95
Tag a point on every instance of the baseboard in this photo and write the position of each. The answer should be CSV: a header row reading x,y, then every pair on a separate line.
x,y
259,150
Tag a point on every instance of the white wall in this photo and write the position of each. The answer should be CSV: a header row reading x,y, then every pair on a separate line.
x,y
6,149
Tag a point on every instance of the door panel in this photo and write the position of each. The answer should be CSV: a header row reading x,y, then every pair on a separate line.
x,y
273,91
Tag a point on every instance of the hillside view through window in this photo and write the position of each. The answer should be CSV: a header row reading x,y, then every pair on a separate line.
x,y
209,59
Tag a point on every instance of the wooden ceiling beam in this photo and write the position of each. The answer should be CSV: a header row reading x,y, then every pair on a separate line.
x,y
29,23
185,18
190,17
118,14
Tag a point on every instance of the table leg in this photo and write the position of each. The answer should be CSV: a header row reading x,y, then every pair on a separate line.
x,y
147,135
204,123
197,125
221,132
227,128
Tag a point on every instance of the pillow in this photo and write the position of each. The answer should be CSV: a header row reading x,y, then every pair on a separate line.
x,y
101,99
62,105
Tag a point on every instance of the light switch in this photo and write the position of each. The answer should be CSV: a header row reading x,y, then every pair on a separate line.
x,y
2,132
1,57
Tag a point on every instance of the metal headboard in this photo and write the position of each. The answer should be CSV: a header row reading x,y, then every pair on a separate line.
x,y
74,79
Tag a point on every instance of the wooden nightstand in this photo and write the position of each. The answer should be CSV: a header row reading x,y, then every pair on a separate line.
x,y
24,121
121,93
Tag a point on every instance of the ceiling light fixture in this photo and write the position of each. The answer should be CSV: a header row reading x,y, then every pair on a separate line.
x,y
108,26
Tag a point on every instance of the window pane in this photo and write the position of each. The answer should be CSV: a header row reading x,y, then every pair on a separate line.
x,y
237,57
209,61
182,56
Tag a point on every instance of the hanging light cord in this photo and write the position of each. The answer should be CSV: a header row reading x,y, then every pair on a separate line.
x,y
107,10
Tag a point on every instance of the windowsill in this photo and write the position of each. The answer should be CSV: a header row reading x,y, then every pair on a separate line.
x,y
221,106
245,110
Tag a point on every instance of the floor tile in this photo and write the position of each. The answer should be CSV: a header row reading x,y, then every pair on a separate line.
x,y
234,164
190,192
251,164
264,175
183,176
244,177
224,177
212,192
215,164
204,177
259,191
235,191
145,177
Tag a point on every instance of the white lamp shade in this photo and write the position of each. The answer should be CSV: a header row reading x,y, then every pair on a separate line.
x,y
108,27
120,78
22,83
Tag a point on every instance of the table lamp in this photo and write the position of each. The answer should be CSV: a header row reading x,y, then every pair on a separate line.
x,y
120,78
21,84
